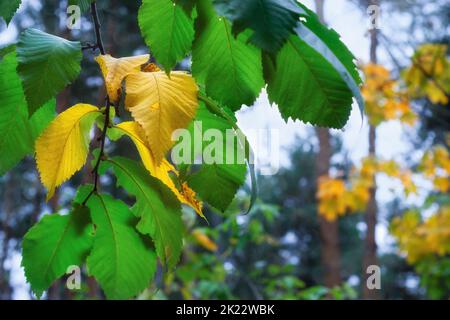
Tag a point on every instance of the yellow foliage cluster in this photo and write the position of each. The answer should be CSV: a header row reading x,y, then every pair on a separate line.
x,y
159,105
337,198
429,74
435,165
384,98
418,239
331,197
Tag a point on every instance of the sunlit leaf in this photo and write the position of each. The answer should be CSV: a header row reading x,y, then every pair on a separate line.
x,y
61,150
230,68
167,29
18,130
161,105
161,171
115,70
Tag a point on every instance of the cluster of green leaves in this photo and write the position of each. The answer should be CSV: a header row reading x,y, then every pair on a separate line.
x,y
241,46
308,72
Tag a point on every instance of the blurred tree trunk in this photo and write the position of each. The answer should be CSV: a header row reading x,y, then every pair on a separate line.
x,y
370,245
329,231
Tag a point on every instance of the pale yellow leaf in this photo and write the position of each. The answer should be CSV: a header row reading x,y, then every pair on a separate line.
x,y
115,70
161,105
62,149
161,171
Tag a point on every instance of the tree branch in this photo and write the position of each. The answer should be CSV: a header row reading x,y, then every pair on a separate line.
x,y
98,34
99,45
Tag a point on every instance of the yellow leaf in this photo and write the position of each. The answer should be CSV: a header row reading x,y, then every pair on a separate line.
x,y
435,94
408,183
332,199
391,168
442,158
204,240
115,70
160,171
190,198
442,184
161,105
62,148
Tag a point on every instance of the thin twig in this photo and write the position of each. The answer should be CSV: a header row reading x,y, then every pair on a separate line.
x,y
98,34
88,46
99,45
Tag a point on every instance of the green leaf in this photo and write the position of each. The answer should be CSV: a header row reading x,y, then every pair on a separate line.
x,y
46,65
227,115
18,132
83,4
120,260
332,40
7,49
167,30
187,5
307,87
53,244
228,67
217,182
328,43
272,21
8,8
156,206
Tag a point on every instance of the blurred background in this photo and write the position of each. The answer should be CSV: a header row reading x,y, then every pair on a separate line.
x,y
373,194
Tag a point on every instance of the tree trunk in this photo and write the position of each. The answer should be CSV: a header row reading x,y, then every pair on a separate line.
x,y
370,244
329,231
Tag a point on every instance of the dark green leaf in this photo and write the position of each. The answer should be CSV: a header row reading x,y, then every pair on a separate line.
x,y
307,87
332,40
46,65
272,21
327,42
8,8
83,4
